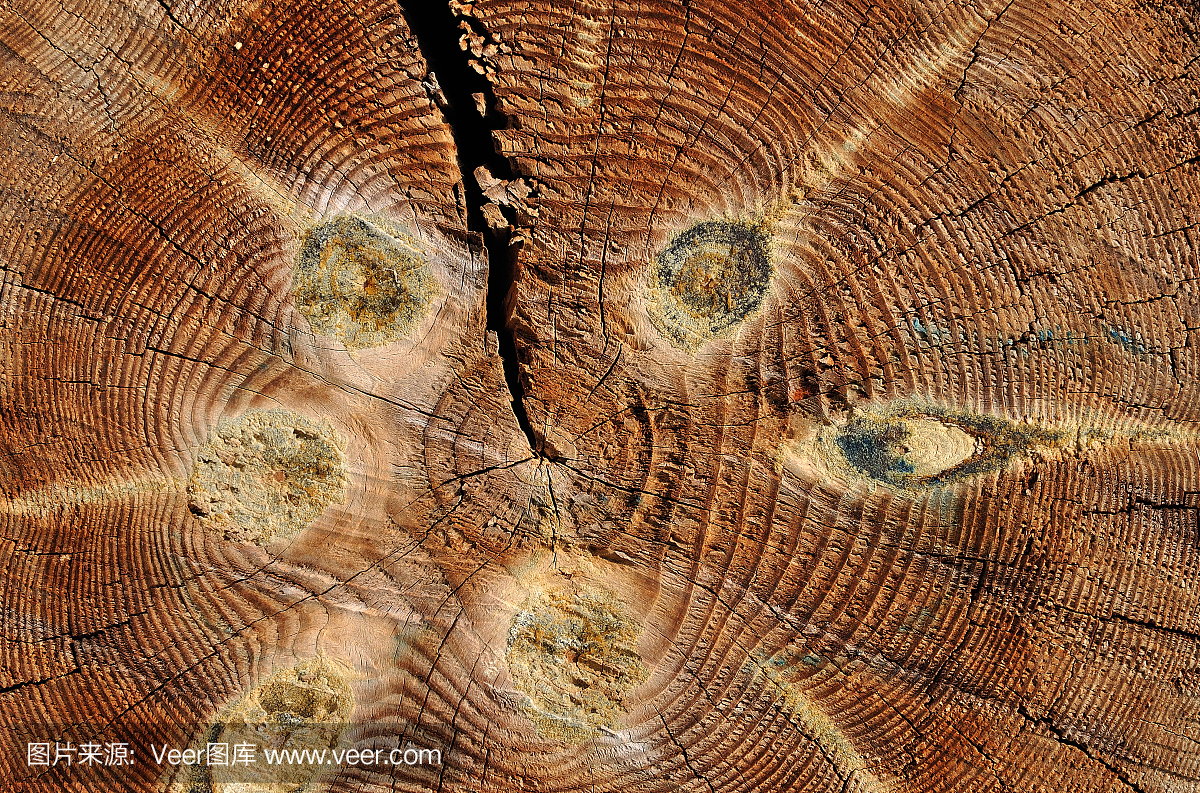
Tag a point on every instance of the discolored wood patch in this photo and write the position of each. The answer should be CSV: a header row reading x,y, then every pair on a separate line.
x,y
573,652
265,475
363,280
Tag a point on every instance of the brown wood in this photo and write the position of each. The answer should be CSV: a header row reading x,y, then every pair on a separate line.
x,y
800,398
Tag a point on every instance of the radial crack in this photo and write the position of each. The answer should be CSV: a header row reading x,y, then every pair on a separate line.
x,y
454,84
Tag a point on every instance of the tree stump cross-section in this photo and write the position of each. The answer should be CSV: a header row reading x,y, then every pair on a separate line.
x,y
634,396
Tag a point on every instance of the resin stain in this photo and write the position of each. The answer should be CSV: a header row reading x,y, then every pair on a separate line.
x,y
709,280
573,653
266,474
364,281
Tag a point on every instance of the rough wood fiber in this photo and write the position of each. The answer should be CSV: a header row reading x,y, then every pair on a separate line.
x,y
856,353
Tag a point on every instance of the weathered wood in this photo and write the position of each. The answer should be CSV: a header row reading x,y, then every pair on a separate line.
x,y
799,398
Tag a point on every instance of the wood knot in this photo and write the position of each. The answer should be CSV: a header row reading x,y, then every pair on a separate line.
x,y
573,653
708,281
266,474
362,280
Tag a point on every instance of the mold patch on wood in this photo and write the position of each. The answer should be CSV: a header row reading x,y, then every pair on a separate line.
x,y
364,281
266,474
709,280
912,446
573,653
306,707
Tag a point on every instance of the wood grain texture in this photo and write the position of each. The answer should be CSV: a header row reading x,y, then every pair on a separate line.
x,y
856,431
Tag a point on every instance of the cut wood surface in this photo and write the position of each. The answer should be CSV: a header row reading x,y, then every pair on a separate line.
x,y
610,397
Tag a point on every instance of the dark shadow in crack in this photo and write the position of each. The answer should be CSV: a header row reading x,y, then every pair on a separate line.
x,y
451,84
